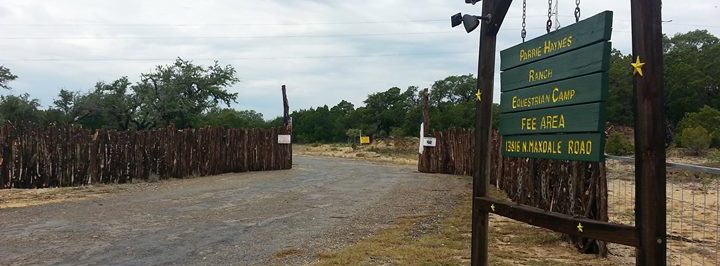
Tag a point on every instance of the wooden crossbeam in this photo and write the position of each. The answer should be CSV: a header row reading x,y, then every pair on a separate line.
x,y
562,223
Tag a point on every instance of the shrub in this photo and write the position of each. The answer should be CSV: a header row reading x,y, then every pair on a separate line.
x,y
708,118
618,144
696,139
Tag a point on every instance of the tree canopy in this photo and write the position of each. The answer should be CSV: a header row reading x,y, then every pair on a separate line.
x,y
5,77
182,94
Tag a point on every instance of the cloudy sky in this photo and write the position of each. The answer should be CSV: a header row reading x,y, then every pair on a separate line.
x,y
324,51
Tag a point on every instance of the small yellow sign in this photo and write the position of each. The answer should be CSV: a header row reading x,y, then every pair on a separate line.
x,y
365,140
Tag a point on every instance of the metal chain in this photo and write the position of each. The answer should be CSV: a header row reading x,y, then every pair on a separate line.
x,y
556,12
549,21
577,11
523,32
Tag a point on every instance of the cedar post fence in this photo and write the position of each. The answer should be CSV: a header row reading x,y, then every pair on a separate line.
x,y
33,156
64,155
578,189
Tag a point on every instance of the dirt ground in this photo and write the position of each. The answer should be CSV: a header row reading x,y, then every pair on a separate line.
x,y
280,217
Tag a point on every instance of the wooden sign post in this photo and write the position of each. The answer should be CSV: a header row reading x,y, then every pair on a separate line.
x,y
649,132
496,11
553,93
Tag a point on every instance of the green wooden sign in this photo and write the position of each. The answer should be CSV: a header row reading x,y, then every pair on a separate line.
x,y
578,147
554,90
567,119
588,60
592,30
584,89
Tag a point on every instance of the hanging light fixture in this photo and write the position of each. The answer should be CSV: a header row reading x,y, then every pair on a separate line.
x,y
471,22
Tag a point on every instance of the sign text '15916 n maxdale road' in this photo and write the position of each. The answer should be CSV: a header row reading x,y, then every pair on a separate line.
x,y
554,90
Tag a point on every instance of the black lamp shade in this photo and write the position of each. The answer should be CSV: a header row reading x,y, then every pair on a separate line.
x,y
470,22
456,20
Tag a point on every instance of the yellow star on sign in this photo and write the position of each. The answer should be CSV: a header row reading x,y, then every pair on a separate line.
x,y
478,95
637,66
580,227
492,207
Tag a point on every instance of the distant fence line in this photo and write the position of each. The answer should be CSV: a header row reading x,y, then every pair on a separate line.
x,y
574,188
64,155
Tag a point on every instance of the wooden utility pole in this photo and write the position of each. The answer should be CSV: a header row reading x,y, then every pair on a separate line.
x,y
286,108
483,118
426,111
287,122
649,131
424,158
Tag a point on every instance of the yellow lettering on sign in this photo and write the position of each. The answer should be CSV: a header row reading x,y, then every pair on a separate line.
x,y
518,102
544,74
550,46
556,96
528,123
512,146
562,96
552,121
530,53
554,46
579,147
536,146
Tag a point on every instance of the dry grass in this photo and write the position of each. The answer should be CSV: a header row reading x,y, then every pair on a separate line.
x,y
287,253
448,243
398,151
17,198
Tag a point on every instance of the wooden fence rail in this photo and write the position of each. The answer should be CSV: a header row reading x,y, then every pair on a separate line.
x,y
65,155
573,188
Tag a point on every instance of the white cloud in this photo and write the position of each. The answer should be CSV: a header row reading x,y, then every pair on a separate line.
x,y
136,29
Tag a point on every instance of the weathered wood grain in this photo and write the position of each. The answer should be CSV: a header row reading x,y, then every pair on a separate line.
x,y
562,223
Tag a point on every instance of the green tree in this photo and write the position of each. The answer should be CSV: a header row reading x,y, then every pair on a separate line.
x,y
453,90
66,101
178,94
232,118
692,78
452,102
389,109
19,109
110,105
5,77
621,101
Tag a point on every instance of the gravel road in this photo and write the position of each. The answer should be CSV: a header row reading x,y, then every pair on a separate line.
x,y
279,217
